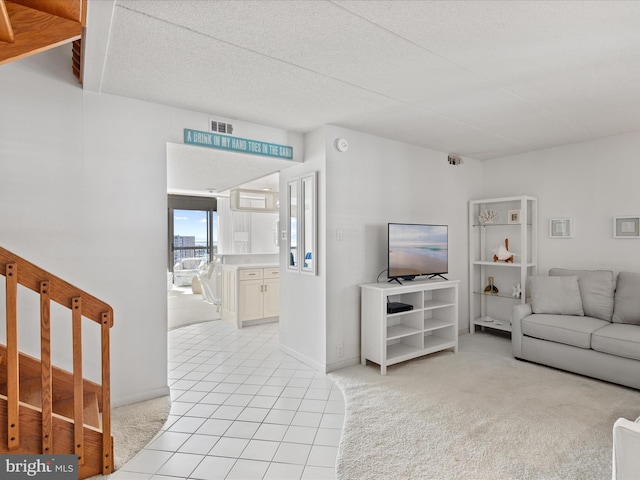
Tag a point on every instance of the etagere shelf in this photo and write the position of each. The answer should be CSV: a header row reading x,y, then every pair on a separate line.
x,y
515,223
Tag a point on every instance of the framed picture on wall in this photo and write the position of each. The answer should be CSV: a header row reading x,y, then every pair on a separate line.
x,y
626,227
513,216
561,228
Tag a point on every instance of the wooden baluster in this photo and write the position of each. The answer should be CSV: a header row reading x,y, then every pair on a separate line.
x,y
13,361
45,362
78,392
6,29
107,447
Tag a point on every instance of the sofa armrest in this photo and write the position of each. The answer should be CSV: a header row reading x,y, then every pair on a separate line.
x,y
518,313
626,443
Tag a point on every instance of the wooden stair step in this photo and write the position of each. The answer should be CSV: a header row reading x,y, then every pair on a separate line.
x,y
62,380
91,414
31,393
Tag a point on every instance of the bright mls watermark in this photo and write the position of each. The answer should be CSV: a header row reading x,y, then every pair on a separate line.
x,y
50,467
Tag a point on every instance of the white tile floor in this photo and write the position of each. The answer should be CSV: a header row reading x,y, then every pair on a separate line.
x,y
241,409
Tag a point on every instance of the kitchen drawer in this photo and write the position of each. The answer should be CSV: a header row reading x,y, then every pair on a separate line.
x,y
272,272
250,274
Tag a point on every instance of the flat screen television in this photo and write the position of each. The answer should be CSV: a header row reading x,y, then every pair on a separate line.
x,y
417,250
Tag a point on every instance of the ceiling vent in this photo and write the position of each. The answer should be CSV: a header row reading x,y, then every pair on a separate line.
x,y
221,127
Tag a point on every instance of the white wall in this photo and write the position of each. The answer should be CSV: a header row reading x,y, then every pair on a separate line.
x,y
303,302
375,182
591,182
84,196
262,232
86,200
258,225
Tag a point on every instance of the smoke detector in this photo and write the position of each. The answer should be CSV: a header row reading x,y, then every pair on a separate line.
x,y
341,145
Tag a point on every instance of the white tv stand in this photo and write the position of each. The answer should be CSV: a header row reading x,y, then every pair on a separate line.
x,y
431,326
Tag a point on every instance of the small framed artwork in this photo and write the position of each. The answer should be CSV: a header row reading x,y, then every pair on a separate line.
x,y
561,228
626,227
513,216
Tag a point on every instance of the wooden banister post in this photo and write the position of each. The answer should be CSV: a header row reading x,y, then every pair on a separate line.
x,y
13,363
107,446
78,388
45,356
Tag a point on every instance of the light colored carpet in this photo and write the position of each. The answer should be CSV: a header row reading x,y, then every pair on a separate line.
x,y
477,414
134,426
186,308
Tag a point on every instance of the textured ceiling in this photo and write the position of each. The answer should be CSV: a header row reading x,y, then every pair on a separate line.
x,y
480,79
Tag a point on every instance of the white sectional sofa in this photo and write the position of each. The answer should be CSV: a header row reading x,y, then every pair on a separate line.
x,y
583,321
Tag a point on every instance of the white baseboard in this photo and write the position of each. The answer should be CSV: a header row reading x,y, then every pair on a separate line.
x,y
149,395
316,365
349,362
303,358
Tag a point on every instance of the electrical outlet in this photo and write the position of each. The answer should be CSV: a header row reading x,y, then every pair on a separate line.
x,y
339,234
340,350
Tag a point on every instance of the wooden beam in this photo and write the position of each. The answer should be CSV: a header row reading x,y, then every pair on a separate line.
x,y
70,9
35,32
60,291
6,32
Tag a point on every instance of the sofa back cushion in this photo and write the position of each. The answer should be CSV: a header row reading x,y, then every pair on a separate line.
x,y
627,298
556,295
596,289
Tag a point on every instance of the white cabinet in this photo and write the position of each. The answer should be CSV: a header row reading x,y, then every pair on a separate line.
x,y
271,297
250,294
430,326
515,221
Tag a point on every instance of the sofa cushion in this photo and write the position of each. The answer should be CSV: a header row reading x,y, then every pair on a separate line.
x,y
555,295
618,339
567,329
627,299
596,289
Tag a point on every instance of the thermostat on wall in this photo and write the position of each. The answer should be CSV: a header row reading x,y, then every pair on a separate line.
x,y
341,144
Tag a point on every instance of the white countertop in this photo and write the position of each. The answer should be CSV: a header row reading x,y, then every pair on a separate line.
x,y
251,265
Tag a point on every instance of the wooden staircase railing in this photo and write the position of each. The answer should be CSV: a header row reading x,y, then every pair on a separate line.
x,y
54,382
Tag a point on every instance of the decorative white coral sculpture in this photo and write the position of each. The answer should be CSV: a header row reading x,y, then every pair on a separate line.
x,y
487,216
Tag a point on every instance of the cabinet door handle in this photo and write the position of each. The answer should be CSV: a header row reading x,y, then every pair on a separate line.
x,y
265,288
261,288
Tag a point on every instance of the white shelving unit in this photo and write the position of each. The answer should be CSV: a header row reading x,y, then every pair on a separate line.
x,y
431,326
494,310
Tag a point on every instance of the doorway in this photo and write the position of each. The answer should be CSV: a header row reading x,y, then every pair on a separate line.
x,y
193,243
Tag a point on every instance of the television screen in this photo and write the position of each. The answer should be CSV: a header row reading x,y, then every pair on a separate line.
x,y
416,250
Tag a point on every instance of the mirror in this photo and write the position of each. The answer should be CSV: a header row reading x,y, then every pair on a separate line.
x,y
307,224
292,215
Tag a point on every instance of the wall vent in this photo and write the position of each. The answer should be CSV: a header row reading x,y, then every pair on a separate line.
x,y
220,127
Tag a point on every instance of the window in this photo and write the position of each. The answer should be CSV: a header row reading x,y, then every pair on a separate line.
x,y
193,228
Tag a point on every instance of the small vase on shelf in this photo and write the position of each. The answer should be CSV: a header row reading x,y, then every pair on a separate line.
x,y
491,289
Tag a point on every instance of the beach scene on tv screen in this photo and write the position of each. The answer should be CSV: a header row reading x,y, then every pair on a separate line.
x,y
417,249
